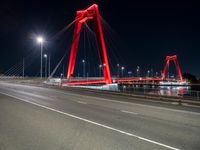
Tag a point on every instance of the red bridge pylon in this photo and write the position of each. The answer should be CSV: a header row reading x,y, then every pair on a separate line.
x,y
82,16
175,60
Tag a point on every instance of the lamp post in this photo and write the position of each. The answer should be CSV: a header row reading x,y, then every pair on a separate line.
x,y
83,61
148,71
138,71
100,67
40,40
45,56
122,69
151,72
156,74
103,67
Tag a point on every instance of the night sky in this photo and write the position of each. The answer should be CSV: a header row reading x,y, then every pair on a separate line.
x,y
144,32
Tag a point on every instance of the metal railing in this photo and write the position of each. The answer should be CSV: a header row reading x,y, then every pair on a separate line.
x,y
178,92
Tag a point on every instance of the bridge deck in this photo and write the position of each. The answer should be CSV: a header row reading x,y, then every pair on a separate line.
x,y
82,81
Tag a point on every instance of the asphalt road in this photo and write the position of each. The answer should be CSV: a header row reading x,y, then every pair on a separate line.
x,y
37,118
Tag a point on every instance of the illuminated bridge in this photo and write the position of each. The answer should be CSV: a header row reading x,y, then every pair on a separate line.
x,y
92,13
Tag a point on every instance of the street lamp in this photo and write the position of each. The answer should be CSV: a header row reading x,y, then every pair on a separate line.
x,y
138,71
100,67
45,56
83,61
156,74
40,40
151,72
61,76
122,69
148,73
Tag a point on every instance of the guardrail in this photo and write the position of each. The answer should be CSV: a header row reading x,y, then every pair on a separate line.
x,y
178,92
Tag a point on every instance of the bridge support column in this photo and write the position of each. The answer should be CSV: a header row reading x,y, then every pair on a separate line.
x,y
82,16
175,60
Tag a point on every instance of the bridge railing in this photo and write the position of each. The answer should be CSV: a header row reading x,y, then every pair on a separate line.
x,y
178,92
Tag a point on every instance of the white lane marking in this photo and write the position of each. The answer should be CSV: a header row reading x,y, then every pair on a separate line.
x,y
95,123
129,112
81,102
174,103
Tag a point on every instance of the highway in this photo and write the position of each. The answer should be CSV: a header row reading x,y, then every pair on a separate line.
x,y
41,118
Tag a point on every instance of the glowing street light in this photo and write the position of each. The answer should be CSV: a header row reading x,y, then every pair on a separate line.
x,y
45,56
100,67
148,72
40,40
138,71
83,61
122,69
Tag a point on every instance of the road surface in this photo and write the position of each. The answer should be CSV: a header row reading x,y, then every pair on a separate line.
x,y
37,118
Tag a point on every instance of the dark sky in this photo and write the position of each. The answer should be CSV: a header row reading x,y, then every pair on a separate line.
x,y
146,31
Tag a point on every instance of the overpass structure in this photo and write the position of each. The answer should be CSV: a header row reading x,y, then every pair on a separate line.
x,y
92,13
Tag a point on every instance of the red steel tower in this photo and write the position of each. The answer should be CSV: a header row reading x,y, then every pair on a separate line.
x,y
175,60
82,16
